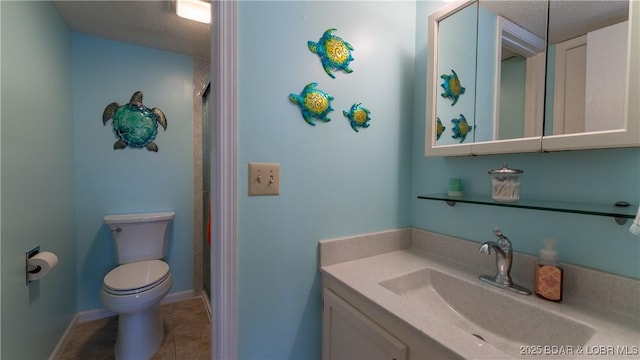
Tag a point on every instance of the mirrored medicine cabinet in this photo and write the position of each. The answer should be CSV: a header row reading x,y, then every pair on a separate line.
x,y
528,75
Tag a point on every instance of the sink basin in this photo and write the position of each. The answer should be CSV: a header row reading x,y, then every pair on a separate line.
x,y
490,314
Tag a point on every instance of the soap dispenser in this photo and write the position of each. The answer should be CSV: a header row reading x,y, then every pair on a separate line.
x,y
548,274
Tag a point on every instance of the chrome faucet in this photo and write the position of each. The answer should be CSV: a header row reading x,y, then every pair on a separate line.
x,y
504,258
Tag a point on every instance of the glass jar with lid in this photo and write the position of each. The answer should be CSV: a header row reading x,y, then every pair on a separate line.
x,y
505,184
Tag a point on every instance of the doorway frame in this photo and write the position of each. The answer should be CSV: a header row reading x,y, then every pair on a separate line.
x,y
224,118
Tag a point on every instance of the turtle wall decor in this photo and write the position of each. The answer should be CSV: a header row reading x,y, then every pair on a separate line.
x,y
314,103
461,128
452,87
334,53
134,124
439,128
358,116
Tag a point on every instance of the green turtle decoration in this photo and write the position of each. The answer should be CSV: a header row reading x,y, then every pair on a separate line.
x,y
314,103
134,124
358,116
460,128
439,128
452,87
334,53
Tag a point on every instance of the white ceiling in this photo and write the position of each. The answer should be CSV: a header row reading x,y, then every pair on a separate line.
x,y
143,22
154,23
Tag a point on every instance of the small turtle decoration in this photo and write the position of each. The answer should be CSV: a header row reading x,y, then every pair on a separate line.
x,y
334,52
314,103
134,124
460,128
358,117
452,87
439,128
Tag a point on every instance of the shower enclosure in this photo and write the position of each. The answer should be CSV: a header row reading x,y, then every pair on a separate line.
x,y
206,185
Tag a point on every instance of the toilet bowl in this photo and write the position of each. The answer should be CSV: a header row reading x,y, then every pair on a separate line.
x,y
135,288
136,300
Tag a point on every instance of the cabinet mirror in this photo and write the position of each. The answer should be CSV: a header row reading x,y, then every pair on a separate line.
x,y
451,77
592,75
522,93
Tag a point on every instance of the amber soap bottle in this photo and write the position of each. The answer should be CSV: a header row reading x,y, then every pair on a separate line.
x,y
548,274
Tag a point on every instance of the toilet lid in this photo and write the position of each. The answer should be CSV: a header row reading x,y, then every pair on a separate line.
x,y
136,275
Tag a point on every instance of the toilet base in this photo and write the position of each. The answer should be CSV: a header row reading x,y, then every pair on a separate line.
x,y
140,334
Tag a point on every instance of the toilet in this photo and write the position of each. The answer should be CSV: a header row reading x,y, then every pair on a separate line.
x,y
141,280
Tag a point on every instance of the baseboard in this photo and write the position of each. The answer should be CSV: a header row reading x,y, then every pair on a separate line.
x,y
101,313
207,303
179,296
57,352
95,314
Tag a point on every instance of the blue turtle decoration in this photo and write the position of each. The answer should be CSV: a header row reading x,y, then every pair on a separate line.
x,y
334,52
134,124
452,87
314,103
460,128
358,117
439,128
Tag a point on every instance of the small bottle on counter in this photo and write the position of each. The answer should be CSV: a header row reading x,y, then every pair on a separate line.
x,y
548,274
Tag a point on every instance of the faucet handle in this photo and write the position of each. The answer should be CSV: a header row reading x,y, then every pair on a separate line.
x,y
498,233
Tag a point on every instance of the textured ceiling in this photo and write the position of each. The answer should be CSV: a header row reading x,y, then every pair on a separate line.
x,y
148,23
567,19
155,24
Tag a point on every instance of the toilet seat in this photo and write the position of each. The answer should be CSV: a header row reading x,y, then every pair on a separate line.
x,y
135,277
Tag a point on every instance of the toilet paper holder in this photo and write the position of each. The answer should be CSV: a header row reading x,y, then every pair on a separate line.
x,y
29,269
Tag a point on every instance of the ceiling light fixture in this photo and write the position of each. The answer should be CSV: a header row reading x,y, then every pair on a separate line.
x,y
197,10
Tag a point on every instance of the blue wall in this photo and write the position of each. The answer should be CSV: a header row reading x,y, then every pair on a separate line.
x,y
131,180
335,182
37,177
60,175
598,176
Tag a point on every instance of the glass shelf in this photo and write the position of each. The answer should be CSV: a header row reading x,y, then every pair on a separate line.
x,y
617,212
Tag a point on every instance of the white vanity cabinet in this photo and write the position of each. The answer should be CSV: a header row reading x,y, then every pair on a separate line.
x,y
349,334
355,328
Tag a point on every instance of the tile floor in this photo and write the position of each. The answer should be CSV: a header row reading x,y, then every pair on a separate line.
x,y
187,335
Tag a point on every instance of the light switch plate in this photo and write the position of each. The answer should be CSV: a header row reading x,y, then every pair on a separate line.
x,y
264,179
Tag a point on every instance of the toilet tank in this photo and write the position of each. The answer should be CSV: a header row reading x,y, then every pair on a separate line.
x,y
140,237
